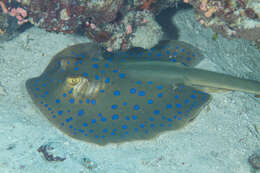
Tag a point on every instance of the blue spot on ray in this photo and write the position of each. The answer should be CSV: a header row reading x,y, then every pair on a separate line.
x,y
156,112
93,101
141,93
81,112
160,95
124,126
169,106
95,66
114,106
150,101
72,100
116,93
136,107
134,117
122,75
103,119
107,80
115,117
132,90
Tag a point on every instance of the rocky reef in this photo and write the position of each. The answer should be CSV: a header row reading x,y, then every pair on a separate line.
x,y
230,18
121,24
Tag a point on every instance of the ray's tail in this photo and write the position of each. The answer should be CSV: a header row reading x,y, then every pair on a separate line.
x,y
223,81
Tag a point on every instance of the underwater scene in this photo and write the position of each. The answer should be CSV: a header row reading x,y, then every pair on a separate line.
x,y
130,86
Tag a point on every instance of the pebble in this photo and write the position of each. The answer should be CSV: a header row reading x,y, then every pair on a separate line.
x,y
2,90
254,160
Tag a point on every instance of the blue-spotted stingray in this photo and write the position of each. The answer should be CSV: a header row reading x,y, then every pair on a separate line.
x,y
101,97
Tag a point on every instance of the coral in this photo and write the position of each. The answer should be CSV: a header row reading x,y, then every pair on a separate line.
x,y
68,16
3,7
20,15
12,16
230,18
136,29
13,9
148,33
98,36
147,4
109,22
155,6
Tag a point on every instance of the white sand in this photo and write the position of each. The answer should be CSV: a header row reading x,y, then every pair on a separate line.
x,y
220,140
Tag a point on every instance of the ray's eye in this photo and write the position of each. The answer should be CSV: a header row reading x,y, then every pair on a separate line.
x,y
73,80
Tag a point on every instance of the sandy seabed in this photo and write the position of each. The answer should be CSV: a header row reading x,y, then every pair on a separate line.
x,y
220,139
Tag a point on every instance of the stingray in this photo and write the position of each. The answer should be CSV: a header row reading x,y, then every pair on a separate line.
x,y
101,97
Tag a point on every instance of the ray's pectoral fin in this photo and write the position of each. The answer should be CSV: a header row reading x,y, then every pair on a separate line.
x,y
166,51
68,58
189,101
177,52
